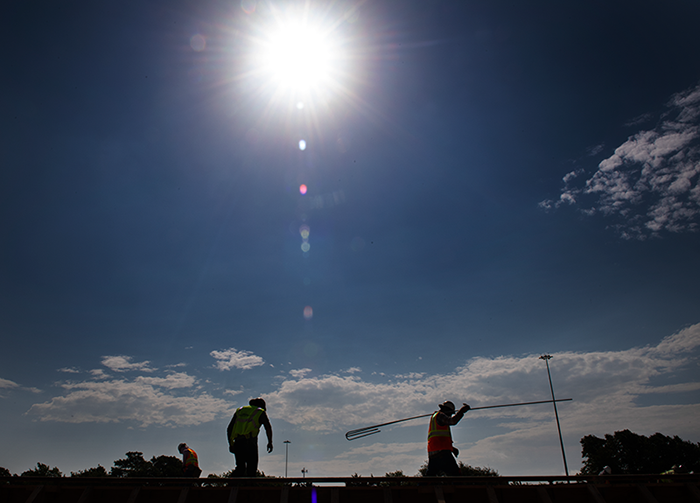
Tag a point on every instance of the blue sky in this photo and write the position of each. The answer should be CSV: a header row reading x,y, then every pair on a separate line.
x,y
410,208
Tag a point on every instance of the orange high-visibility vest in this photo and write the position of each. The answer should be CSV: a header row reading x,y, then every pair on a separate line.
x,y
190,458
439,437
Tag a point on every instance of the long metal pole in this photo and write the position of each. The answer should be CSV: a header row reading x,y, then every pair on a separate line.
x,y
546,359
371,430
286,456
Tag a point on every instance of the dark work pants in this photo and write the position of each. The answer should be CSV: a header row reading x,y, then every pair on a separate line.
x,y
246,452
442,462
192,471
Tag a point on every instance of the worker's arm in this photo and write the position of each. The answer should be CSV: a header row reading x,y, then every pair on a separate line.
x,y
268,431
229,429
459,414
265,421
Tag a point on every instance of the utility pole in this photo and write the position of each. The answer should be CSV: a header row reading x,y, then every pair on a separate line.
x,y
304,471
286,456
546,359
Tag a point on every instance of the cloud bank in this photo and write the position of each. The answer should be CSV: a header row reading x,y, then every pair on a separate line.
x,y
174,399
650,183
644,389
613,381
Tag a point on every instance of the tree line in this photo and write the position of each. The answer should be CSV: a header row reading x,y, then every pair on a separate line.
x,y
624,452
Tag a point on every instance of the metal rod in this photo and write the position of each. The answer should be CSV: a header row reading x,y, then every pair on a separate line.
x,y
546,359
371,430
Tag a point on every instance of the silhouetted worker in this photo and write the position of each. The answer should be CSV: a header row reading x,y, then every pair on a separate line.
x,y
441,453
190,462
242,433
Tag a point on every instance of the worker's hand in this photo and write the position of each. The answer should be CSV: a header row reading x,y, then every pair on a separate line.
x,y
269,447
464,408
455,451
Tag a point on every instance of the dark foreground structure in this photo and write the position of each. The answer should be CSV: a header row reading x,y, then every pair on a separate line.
x,y
575,489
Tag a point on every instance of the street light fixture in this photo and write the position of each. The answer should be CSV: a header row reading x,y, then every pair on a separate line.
x,y
546,359
286,456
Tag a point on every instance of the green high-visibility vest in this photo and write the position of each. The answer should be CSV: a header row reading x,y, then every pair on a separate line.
x,y
247,422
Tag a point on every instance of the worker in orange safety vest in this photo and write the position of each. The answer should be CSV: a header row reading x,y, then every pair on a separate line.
x,y
190,461
441,452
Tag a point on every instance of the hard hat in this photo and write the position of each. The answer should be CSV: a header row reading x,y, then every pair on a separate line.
x,y
258,402
447,405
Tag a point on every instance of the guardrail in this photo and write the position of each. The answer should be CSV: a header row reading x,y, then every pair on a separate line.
x,y
508,489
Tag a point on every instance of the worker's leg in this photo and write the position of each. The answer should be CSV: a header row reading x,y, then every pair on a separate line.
x,y
240,454
252,449
442,463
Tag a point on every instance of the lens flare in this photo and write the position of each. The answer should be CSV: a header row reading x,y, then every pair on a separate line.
x,y
198,43
308,313
302,189
248,6
302,145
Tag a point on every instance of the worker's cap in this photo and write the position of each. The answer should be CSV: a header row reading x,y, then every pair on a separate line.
x,y
181,447
447,406
257,402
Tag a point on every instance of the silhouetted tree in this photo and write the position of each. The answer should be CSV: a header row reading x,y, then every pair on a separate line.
x,y
627,452
166,466
4,472
42,470
464,470
98,471
134,465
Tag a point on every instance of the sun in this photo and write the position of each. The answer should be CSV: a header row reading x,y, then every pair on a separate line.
x,y
299,52
299,57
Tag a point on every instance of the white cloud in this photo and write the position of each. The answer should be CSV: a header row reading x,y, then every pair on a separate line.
x,y
99,374
7,384
232,358
410,375
69,370
299,373
123,364
172,381
650,183
144,400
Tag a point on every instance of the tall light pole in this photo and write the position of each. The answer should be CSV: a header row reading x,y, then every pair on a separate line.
x,y
546,359
304,471
286,456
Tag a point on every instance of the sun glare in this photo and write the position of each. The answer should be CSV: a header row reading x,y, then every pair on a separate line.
x,y
298,57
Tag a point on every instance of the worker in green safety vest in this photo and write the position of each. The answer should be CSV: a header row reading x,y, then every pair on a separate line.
x,y
242,435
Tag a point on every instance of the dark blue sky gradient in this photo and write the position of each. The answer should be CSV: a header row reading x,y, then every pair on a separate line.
x,y
149,201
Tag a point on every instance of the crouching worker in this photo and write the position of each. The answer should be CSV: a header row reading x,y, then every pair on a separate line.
x,y
190,462
242,434
441,452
